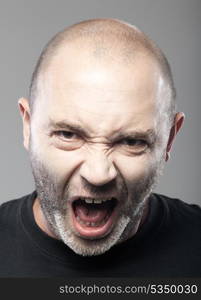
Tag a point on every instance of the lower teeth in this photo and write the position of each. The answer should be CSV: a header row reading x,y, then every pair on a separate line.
x,y
92,224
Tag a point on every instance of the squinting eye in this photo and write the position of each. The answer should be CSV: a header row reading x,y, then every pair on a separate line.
x,y
135,146
134,142
67,140
68,135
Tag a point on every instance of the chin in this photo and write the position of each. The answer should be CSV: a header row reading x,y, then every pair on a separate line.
x,y
91,247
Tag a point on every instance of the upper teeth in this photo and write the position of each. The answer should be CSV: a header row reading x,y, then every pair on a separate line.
x,y
97,201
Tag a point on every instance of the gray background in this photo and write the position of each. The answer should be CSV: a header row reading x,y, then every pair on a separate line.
x,y
25,26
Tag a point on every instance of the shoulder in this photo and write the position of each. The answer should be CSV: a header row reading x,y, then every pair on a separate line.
x,y
11,205
179,210
9,210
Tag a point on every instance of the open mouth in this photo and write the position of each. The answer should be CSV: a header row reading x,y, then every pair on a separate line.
x,y
94,218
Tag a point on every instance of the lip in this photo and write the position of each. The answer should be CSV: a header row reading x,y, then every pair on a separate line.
x,y
89,232
74,198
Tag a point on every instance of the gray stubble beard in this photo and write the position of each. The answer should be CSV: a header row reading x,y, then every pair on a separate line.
x,y
53,200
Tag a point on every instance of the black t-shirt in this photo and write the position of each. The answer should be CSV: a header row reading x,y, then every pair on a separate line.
x,y
168,244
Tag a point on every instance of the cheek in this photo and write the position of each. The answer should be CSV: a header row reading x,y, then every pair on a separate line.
x,y
134,168
58,162
62,163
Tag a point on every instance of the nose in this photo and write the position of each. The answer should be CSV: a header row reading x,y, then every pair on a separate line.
x,y
98,169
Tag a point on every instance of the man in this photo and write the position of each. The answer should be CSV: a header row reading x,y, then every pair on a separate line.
x,y
99,126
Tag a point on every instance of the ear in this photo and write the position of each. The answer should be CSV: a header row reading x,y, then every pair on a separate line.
x,y
25,114
178,122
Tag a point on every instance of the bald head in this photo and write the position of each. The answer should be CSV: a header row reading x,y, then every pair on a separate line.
x,y
102,98
107,40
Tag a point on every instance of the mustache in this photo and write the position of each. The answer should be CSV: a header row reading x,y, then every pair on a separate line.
x,y
109,188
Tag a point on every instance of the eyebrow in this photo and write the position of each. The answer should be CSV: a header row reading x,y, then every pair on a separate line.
x,y
66,126
148,134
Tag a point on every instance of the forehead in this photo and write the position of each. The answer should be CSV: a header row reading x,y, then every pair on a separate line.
x,y
99,93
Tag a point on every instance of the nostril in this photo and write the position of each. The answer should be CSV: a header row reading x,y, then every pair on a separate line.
x,y
107,188
98,176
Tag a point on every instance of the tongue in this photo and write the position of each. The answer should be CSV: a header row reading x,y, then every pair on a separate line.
x,y
91,212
